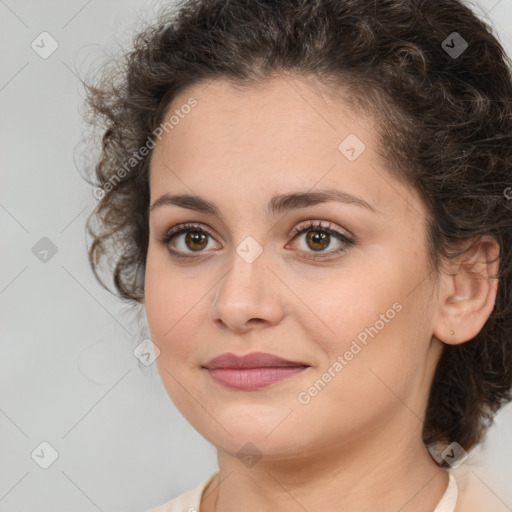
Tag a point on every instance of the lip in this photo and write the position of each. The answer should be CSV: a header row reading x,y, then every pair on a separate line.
x,y
251,360
252,371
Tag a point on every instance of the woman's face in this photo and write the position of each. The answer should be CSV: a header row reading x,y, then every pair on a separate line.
x,y
350,299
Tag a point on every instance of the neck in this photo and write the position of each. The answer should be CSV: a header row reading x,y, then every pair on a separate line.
x,y
405,478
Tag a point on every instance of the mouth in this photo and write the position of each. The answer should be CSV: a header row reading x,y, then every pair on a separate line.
x,y
252,371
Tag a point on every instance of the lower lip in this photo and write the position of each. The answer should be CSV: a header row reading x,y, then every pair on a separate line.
x,y
253,378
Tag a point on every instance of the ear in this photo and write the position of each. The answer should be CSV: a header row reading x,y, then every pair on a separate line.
x,y
467,292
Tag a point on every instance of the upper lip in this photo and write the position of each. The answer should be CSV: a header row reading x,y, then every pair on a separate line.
x,y
252,360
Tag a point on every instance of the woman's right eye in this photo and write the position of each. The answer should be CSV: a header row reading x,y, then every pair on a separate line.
x,y
184,240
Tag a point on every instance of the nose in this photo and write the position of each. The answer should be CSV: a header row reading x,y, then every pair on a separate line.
x,y
247,297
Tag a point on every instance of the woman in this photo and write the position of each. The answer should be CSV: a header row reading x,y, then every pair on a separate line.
x,y
309,199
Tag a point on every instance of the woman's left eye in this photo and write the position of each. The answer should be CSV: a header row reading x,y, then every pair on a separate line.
x,y
185,239
320,237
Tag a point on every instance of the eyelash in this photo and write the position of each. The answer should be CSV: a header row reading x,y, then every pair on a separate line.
x,y
312,226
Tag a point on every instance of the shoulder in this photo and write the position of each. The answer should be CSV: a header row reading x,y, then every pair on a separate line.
x,y
188,501
475,494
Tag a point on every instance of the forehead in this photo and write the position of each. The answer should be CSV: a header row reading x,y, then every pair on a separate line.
x,y
285,133
278,112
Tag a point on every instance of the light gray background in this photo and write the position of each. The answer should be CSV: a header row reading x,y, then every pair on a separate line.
x,y
67,372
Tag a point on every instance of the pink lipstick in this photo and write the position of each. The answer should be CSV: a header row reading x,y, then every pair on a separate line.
x,y
252,371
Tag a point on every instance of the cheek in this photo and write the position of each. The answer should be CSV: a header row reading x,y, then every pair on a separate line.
x,y
176,306
170,307
371,320
168,299
347,303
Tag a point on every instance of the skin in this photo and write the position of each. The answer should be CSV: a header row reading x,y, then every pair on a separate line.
x,y
356,446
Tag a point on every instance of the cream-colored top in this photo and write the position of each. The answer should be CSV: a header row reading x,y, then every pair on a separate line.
x,y
190,500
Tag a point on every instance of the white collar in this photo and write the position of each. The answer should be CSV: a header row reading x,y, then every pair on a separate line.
x,y
449,499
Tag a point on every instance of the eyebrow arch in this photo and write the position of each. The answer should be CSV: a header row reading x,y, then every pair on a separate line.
x,y
276,205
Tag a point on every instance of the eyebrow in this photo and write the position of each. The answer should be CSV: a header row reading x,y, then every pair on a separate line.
x,y
277,204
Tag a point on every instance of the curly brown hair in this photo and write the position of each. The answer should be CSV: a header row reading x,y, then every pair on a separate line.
x,y
444,118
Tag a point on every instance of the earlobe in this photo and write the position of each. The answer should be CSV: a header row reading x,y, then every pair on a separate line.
x,y
467,292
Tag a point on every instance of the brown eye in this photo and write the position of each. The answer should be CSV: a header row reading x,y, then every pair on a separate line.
x,y
324,240
318,240
196,241
185,239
